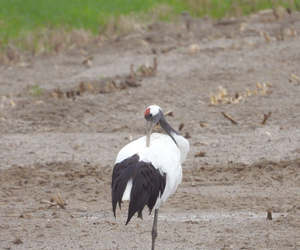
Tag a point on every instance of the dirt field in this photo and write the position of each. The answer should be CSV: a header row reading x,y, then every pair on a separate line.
x,y
60,144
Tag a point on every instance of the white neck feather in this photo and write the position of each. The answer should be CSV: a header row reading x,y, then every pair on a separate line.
x,y
183,146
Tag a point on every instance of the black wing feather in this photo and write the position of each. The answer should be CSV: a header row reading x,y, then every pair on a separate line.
x,y
147,185
121,175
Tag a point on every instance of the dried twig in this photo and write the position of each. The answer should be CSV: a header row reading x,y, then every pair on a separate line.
x,y
18,241
200,154
229,118
52,204
187,135
58,93
297,78
169,113
266,116
82,88
181,125
269,215
87,60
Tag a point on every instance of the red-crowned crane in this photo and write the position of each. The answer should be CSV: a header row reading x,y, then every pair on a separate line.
x,y
148,170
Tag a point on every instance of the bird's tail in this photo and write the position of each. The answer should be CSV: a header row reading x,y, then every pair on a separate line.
x,y
148,184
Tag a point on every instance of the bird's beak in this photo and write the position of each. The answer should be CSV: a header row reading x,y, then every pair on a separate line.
x,y
150,127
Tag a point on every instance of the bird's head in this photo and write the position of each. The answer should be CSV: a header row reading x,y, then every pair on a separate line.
x,y
153,114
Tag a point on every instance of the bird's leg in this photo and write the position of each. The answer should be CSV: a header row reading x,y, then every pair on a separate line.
x,y
154,229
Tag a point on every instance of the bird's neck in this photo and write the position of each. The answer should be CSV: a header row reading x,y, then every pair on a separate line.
x,y
167,127
181,142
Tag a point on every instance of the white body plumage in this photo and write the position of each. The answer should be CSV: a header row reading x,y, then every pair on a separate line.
x,y
164,155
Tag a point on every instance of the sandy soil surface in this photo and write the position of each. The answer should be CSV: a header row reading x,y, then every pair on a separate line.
x,y
57,149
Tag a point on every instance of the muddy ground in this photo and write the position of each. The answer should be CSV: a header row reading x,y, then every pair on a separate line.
x,y
56,143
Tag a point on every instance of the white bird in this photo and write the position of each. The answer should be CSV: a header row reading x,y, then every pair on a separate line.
x,y
148,170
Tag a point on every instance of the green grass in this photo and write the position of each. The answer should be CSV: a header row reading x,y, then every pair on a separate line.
x,y
18,18
22,15
35,91
221,8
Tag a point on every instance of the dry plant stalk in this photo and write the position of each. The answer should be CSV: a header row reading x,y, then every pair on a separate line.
x,y
266,117
223,97
279,12
148,70
204,125
59,200
279,33
295,77
229,118
266,36
58,93
106,85
90,87
3,101
213,100
131,80
87,60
